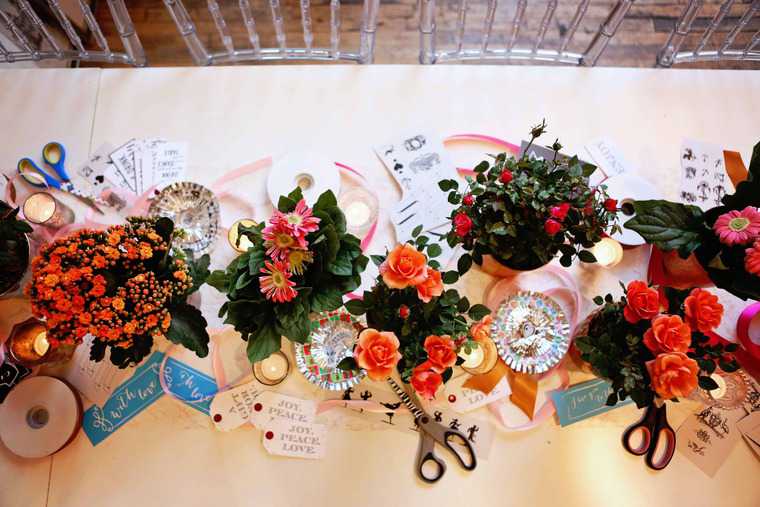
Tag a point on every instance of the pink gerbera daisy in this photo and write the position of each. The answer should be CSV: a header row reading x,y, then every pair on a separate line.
x,y
752,259
300,221
276,283
738,227
279,241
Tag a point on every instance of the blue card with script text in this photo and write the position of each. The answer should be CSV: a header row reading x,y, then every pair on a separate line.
x,y
583,400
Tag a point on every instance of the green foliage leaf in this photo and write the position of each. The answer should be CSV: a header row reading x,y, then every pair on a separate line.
x,y
669,225
198,270
355,307
348,364
416,231
450,277
478,311
707,383
219,280
433,250
377,259
188,328
326,200
586,256
327,299
263,343
464,263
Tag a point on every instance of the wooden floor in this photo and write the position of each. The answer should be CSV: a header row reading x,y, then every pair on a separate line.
x,y
640,37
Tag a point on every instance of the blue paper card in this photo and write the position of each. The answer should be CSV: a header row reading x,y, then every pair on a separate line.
x,y
128,400
190,385
583,400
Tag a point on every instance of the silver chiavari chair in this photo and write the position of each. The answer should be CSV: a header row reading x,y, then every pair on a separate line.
x,y
71,48
254,51
673,51
511,50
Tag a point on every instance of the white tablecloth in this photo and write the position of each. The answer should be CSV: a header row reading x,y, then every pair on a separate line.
x,y
230,116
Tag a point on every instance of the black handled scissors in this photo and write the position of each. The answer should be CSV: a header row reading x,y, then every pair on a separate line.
x,y
653,425
431,433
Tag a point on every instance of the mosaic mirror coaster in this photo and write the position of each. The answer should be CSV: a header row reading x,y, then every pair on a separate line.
x,y
531,332
333,336
194,209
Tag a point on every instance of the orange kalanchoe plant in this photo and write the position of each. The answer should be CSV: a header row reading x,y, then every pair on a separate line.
x,y
123,286
656,343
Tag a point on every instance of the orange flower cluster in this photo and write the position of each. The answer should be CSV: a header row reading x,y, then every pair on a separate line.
x,y
105,283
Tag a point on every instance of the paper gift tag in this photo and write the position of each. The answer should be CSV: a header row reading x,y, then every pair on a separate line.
x,y
583,400
750,429
284,437
270,405
463,400
231,409
608,157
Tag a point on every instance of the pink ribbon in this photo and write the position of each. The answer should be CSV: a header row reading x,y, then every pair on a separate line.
x,y
480,138
750,356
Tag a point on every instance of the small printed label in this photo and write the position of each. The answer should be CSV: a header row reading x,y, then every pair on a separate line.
x,y
270,405
462,399
283,437
231,409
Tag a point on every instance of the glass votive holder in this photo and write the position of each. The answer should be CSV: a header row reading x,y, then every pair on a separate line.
x,y
608,252
481,359
240,243
272,370
42,208
28,345
360,206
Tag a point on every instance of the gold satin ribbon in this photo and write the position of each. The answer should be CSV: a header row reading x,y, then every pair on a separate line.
x,y
523,386
735,167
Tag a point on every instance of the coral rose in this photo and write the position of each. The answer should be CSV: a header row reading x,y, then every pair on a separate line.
x,y
668,334
425,381
703,311
673,375
643,302
377,352
441,352
404,267
481,330
431,287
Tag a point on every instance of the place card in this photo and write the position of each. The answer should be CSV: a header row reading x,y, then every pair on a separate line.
x,y
192,387
270,405
462,399
232,408
283,437
584,400
609,158
704,180
131,398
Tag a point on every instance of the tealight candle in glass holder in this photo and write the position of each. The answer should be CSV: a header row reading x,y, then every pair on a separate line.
x,y
232,236
481,359
28,345
42,208
272,370
608,252
360,206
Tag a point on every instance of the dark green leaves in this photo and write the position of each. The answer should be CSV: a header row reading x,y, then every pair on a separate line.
x,y
477,312
669,225
464,263
188,328
263,343
450,277
348,364
198,270
447,185
355,307
707,383
586,256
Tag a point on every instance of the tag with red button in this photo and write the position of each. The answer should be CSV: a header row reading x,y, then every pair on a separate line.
x,y
270,405
284,437
232,408
464,400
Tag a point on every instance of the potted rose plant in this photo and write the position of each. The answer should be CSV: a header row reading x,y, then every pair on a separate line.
x,y
416,325
125,286
721,245
655,345
14,248
520,213
302,261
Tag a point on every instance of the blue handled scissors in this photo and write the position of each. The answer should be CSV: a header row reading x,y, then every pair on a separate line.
x,y
54,156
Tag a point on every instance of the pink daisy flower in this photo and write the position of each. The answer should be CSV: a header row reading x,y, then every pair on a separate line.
x,y
300,221
752,259
276,284
279,241
738,227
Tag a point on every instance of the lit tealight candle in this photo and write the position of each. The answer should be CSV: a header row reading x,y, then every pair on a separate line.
x,y
43,209
718,393
232,235
272,370
357,214
473,359
608,252
360,207
41,344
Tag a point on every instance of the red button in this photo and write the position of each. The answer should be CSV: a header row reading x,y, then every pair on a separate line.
x,y
269,435
217,417
257,407
452,398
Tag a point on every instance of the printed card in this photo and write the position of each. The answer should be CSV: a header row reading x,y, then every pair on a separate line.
x,y
583,400
749,427
609,159
123,170
232,408
462,400
93,177
704,180
194,388
270,405
284,437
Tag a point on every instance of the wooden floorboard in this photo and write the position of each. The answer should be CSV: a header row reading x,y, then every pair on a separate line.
x,y
640,37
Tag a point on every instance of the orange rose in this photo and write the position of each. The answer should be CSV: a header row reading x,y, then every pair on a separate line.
x,y
703,311
441,352
668,334
425,381
643,302
377,352
481,330
674,375
404,267
431,287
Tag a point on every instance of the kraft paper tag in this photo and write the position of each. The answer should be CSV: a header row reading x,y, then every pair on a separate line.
x,y
462,399
285,437
750,429
270,405
232,408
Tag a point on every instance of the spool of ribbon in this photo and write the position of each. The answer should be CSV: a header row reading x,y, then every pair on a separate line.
x,y
749,354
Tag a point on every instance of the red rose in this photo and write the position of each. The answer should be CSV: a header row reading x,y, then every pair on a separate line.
x,y
468,199
668,334
425,381
552,227
643,302
610,205
674,375
441,352
506,176
462,224
703,311
403,311
560,211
